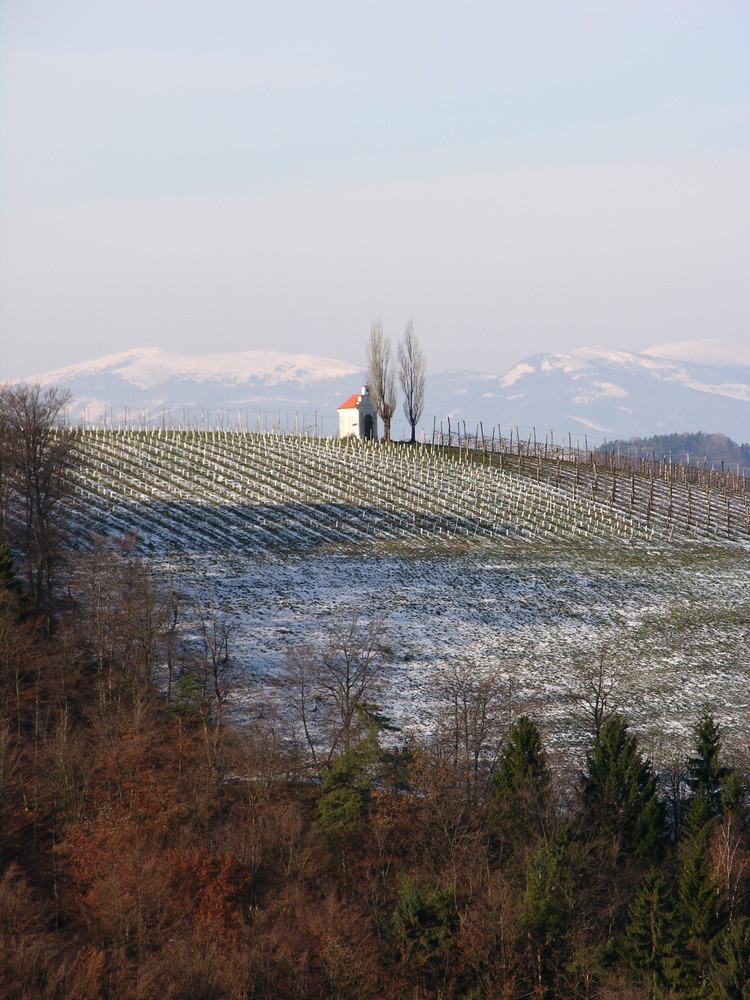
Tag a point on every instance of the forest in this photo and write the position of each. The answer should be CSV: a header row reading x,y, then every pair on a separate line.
x,y
696,448
152,843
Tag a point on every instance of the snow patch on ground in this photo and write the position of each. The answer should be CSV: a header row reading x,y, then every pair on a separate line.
x,y
601,390
674,625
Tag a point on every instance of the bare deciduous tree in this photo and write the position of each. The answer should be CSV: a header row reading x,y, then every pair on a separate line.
x,y
595,689
129,614
5,458
381,376
35,453
351,669
213,659
411,375
335,688
147,619
472,725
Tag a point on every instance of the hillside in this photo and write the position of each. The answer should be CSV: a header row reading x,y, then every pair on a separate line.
x,y
361,696
151,847
185,489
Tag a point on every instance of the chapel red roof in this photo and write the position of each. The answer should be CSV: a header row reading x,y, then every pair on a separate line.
x,y
351,403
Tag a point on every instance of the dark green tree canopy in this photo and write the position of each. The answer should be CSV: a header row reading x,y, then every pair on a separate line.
x,y
618,794
706,775
423,925
519,796
522,762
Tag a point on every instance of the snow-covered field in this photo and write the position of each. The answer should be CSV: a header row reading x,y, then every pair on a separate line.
x,y
674,621
533,571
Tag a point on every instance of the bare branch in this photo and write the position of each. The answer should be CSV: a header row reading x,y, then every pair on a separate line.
x,y
35,453
595,690
381,377
336,687
411,375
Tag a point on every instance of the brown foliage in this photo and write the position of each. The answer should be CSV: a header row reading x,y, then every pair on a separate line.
x,y
132,890
149,848
26,947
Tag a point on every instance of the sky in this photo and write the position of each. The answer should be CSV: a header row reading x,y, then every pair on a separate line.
x,y
514,177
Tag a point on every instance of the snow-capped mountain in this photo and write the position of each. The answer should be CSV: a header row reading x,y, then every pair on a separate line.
x,y
150,367
247,388
606,394
601,393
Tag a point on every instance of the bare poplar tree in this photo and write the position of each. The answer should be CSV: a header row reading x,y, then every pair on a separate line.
x,y
381,376
35,453
411,375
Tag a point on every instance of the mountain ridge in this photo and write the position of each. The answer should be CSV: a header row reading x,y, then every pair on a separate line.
x,y
600,392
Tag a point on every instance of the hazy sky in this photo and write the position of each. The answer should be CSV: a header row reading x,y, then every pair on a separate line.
x,y
514,177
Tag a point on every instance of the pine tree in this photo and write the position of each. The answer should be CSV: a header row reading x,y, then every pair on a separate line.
x,y
345,797
620,833
618,792
423,924
706,774
522,761
731,976
519,796
545,908
653,946
700,909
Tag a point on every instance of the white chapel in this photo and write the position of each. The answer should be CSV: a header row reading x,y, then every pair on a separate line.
x,y
358,416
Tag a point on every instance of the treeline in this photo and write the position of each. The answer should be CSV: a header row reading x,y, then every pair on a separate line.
x,y
685,449
151,848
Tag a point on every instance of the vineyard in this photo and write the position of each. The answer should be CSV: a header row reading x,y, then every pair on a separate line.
x,y
518,563
192,490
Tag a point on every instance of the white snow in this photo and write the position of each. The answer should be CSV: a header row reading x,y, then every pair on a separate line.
x,y
702,352
728,390
511,377
591,424
601,390
149,366
537,390
585,359
536,617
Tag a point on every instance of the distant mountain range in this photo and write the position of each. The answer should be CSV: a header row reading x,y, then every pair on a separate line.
x,y
601,394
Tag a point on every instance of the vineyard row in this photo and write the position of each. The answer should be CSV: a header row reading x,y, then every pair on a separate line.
x,y
259,491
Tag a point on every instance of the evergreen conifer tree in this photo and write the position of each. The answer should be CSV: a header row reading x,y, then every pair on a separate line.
x,y
653,943
620,833
545,908
706,774
345,796
618,792
520,790
731,975
423,925
700,910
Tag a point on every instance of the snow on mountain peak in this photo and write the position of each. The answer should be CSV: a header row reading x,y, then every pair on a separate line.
x,y
511,377
702,352
698,385
146,367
